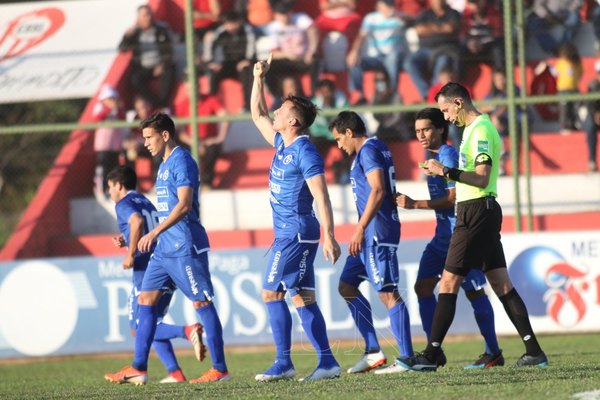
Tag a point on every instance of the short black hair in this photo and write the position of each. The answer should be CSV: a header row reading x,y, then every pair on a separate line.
x,y
232,16
453,89
283,6
304,110
437,119
159,122
326,83
349,120
124,175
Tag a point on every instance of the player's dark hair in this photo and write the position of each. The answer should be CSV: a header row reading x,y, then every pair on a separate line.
x,y
349,120
124,175
437,119
304,110
452,90
159,122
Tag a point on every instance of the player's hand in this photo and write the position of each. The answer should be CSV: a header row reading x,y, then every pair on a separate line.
x,y
262,67
118,241
128,262
404,201
331,249
355,244
434,167
145,243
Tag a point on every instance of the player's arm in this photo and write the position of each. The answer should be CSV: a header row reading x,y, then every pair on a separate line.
x,y
258,103
136,231
377,184
183,206
318,188
404,201
480,177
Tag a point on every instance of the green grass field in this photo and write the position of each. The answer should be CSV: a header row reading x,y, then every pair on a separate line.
x,y
574,368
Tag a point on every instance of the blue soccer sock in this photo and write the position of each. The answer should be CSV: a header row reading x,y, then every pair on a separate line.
x,y
144,336
484,315
214,335
165,352
426,309
363,319
281,325
168,331
400,323
314,326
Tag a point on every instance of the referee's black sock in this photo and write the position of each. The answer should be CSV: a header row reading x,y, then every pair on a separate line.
x,y
517,312
442,319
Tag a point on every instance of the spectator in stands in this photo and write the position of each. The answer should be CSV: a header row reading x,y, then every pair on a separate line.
x,y
568,73
390,124
499,114
340,16
211,135
592,121
152,59
328,97
446,75
258,13
383,33
230,53
482,33
438,29
548,13
205,17
290,86
409,9
595,19
134,142
294,40
108,142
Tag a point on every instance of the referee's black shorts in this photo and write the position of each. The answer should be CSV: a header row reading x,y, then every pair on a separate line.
x,y
475,242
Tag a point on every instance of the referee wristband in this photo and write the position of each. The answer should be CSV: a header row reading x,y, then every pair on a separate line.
x,y
454,174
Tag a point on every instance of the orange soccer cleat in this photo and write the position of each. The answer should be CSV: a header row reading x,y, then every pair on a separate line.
x,y
194,334
212,375
128,374
174,377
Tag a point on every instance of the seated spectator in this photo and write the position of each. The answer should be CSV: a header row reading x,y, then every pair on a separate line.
x,y
328,97
258,13
446,75
409,9
340,16
592,120
568,73
294,41
390,124
134,142
211,135
499,114
548,13
230,53
482,33
205,16
152,59
108,142
383,33
290,86
438,30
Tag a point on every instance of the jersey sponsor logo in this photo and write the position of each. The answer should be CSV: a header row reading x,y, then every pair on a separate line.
x,y
161,191
275,188
274,266
191,279
161,219
277,173
483,159
387,154
288,159
162,206
483,145
274,200
303,265
374,270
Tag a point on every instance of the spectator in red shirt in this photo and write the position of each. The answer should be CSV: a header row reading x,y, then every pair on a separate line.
x,y
482,33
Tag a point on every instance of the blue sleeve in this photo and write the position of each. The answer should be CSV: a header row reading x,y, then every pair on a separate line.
x,y
185,173
125,211
310,162
371,158
449,157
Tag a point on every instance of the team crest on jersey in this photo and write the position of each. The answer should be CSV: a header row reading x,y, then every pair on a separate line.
x,y
287,159
164,175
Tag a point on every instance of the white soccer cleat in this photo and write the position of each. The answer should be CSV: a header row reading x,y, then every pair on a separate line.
x,y
322,373
395,368
368,362
270,377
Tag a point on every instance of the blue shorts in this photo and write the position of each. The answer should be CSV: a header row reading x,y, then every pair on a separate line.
x,y
432,264
189,273
162,306
291,266
382,271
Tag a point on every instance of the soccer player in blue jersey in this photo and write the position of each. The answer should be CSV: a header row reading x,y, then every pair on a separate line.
x,y
432,132
180,254
374,242
296,178
136,216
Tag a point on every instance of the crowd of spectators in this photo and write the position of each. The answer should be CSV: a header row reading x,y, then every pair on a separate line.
x,y
432,41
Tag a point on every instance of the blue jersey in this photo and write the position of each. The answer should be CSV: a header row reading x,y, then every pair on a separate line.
x,y
135,203
291,200
438,187
384,228
188,236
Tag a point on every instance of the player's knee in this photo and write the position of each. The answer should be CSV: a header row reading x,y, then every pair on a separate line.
x,y
474,294
423,288
268,296
149,298
347,291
